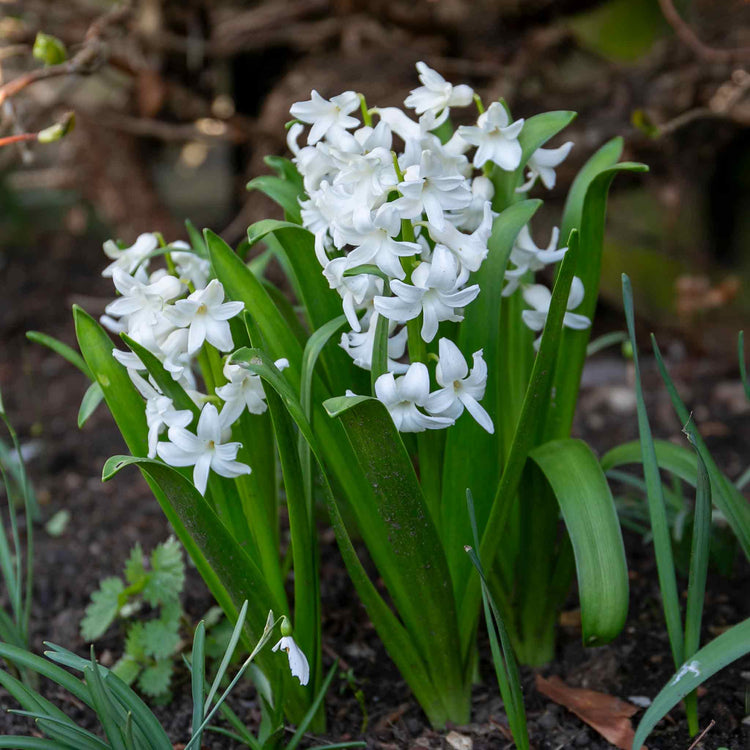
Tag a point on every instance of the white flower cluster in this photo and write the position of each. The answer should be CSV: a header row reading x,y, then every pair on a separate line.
x,y
172,316
402,220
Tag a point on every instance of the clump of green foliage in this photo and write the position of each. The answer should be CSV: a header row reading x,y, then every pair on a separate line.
x,y
150,644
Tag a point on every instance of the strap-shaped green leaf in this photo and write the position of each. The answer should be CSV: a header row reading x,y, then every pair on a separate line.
x,y
91,399
71,355
655,497
284,192
241,284
472,455
573,343
726,648
726,496
588,508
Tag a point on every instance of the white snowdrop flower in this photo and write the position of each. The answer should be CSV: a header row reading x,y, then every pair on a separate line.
x,y
459,388
323,114
539,298
373,237
129,258
244,390
528,257
435,291
541,165
470,249
435,94
469,218
357,291
432,187
402,395
496,138
143,304
205,450
205,314
298,665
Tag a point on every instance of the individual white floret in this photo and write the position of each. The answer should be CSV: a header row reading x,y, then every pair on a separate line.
x,y
359,344
192,268
495,137
541,165
402,395
244,390
323,114
470,249
436,95
129,258
459,388
357,292
143,304
528,257
435,291
469,218
539,298
373,237
432,187
205,450
205,314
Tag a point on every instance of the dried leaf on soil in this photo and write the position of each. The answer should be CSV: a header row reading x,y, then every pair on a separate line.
x,y
606,714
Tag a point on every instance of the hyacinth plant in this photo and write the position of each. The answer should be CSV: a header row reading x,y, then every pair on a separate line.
x,y
422,358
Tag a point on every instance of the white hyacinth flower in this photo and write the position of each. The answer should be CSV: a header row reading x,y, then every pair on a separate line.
x,y
459,388
323,114
541,165
495,137
205,314
129,258
470,249
359,344
436,95
357,292
539,298
402,395
244,390
435,291
298,665
204,450
528,257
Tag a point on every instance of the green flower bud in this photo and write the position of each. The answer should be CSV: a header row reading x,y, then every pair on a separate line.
x,y
49,49
58,130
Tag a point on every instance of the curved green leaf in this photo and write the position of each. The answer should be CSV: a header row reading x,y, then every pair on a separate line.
x,y
726,648
91,399
573,343
283,192
588,508
71,355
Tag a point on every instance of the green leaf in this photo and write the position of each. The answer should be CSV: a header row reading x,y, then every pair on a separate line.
x,y
135,570
591,520
731,645
167,573
726,496
286,170
135,641
655,497
71,355
283,192
49,49
415,558
102,610
127,669
198,673
154,680
160,638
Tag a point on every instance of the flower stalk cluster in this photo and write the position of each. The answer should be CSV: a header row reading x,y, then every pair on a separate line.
x,y
402,222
